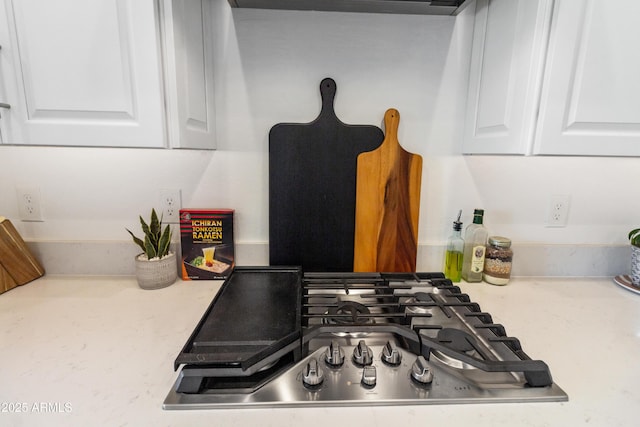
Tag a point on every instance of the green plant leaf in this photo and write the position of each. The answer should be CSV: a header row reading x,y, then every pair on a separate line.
x,y
634,237
145,227
150,248
165,240
148,231
137,241
155,224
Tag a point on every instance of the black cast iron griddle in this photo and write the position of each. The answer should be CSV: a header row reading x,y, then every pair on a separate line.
x,y
255,314
312,188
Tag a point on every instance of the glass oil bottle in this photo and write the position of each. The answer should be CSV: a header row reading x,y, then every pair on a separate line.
x,y
475,246
453,254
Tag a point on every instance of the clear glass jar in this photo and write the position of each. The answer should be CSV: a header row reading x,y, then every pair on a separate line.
x,y
497,261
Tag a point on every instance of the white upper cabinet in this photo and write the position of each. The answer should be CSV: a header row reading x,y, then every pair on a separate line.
x,y
555,78
188,38
504,84
591,93
81,73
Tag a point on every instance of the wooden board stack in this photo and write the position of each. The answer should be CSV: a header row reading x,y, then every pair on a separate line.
x,y
17,264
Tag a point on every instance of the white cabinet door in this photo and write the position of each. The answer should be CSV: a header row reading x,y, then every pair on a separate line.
x,y
188,38
591,93
9,111
504,85
85,72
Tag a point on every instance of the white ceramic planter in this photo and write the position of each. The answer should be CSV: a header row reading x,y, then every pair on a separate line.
x,y
156,273
635,265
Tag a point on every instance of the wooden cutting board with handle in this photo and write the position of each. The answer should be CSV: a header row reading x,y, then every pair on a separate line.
x,y
387,205
312,188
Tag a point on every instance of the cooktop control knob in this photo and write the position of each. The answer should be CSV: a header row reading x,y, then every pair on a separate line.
x,y
362,354
312,375
369,376
391,355
420,371
334,355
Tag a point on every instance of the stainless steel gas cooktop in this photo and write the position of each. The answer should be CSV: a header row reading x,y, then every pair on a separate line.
x,y
280,337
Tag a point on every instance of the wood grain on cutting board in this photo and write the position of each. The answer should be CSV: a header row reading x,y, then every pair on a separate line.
x,y
19,266
387,205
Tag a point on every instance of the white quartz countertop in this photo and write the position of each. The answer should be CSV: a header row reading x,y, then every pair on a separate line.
x,y
79,351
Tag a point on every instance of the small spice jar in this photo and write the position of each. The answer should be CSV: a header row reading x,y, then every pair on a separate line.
x,y
497,261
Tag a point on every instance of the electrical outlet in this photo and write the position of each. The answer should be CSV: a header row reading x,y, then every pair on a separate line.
x,y
170,202
558,211
29,203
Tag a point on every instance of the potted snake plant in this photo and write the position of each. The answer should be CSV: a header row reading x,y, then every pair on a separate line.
x,y
156,266
634,239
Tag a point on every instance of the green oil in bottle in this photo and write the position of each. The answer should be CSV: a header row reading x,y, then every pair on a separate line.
x,y
453,265
453,255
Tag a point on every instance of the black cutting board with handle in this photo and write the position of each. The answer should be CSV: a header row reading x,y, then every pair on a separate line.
x,y
312,188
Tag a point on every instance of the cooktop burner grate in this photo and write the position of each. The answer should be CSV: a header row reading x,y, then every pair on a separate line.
x,y
443,319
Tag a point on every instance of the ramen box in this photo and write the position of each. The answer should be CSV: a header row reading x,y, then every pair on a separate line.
x,y
206,238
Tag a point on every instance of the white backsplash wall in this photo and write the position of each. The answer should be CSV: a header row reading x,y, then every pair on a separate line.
x,y
268,68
